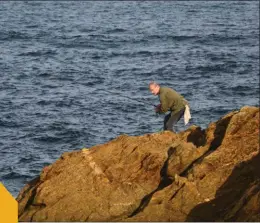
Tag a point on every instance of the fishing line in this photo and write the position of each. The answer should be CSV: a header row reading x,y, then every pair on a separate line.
x,y
117,93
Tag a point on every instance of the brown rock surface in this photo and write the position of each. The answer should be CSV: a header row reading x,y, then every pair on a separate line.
x,y
196,175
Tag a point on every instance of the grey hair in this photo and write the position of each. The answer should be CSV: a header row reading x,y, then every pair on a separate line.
x,y
153,83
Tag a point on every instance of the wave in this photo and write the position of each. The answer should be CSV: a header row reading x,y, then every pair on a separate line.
x,y
86,30
13,35
30,158
38,53
224,67
14,175
172,37
218,38
44,74
116,30
140,53
44,102
241,88
9,123
47,139
93,83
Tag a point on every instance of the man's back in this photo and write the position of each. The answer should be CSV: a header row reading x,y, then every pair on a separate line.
x,y
171,100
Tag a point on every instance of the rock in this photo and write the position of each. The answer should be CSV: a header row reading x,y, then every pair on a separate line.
x,y
196,175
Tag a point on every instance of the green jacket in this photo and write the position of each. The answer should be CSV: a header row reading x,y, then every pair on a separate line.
x,y
171,100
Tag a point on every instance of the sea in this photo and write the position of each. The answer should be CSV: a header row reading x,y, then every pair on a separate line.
x,y
74,74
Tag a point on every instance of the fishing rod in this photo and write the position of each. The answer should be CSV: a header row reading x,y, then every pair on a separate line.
x,y
117,93
124,96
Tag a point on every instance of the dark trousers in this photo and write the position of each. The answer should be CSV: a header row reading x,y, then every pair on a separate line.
x,y
171,119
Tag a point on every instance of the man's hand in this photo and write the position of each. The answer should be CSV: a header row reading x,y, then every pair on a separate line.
x,y
158,108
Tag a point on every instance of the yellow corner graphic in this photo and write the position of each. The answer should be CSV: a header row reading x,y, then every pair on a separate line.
x,y
8,206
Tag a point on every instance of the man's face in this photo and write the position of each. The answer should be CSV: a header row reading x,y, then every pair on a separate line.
x,y
154,89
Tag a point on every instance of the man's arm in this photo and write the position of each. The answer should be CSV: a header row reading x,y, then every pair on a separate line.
x,y
164,104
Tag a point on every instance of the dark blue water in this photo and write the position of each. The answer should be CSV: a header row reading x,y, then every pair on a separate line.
x,y
56,58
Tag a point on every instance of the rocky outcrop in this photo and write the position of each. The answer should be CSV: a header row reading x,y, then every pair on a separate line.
x,y
196,175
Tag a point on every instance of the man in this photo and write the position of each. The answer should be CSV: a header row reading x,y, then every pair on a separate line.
x,y
170,101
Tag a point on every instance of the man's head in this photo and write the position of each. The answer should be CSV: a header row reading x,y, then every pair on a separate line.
x,y
154,88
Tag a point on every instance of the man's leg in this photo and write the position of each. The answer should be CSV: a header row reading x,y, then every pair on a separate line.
x,y
173,119
166,119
